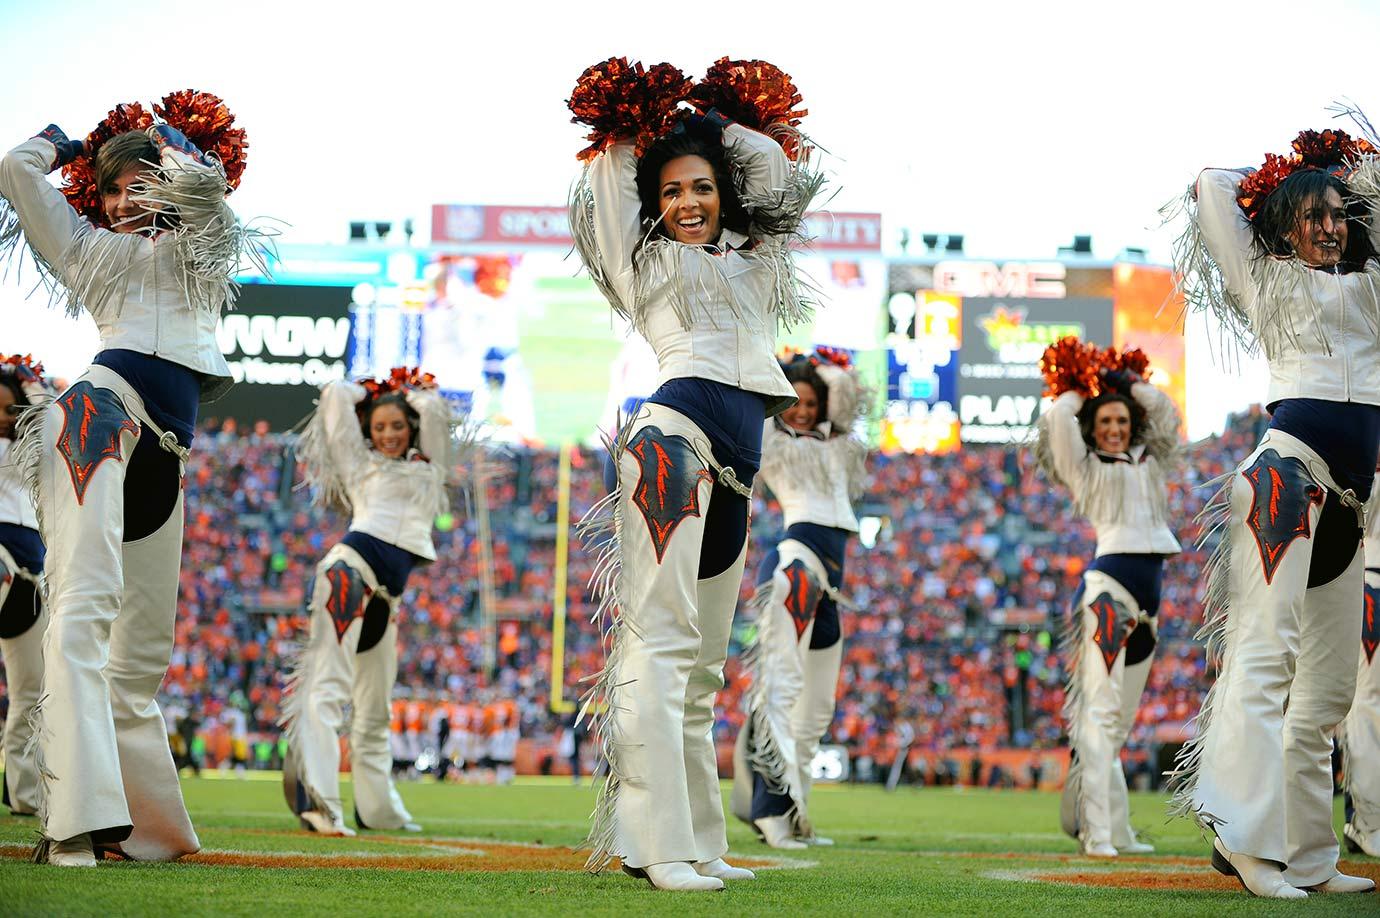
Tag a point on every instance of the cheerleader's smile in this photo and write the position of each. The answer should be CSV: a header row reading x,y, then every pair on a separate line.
x,y
690,200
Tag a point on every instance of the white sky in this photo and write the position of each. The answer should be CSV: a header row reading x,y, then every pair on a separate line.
x,y
1015,124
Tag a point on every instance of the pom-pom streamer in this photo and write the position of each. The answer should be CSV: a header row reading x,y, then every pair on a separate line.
x,y
755,94
622,100
1071,365
201,116
1328,150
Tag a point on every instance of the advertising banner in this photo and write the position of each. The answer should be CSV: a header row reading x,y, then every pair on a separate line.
x,y
282,343
999,361
506,225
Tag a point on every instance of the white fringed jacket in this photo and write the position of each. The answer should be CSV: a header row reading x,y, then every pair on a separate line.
x,y
16,506
1320,331
709,312
814,476
1124,498
393,500
161,295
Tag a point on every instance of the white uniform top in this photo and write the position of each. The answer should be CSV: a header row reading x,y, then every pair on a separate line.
x,y
815,479
1317,329
1124,499
15,505
709,312
394,500
136,288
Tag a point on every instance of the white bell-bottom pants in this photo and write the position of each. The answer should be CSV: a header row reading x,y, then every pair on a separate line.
x,y
22,653
654,700
103,751
1100,710
792,698
1263,782
334,672
1361,730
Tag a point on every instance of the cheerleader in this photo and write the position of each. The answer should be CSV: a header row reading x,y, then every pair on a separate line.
x,y
685,223
1360,732
22,617
813,461
140,237
1109,438
382,451
1285,257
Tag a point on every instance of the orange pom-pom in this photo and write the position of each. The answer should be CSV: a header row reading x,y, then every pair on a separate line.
x,y
201,116
837,356
755,94
398,379
1135,361
14,364
622,100
1070,365
210,125
1327,150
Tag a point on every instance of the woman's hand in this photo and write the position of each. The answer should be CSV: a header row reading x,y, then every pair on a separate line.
x,y
67,150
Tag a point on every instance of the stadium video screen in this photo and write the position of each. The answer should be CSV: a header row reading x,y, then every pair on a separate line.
x,y
282,343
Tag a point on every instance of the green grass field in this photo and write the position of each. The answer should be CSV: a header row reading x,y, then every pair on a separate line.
x,y
939,851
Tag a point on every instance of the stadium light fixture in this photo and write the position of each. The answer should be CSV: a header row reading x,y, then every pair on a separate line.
x,y
931,241
1080,248
953,244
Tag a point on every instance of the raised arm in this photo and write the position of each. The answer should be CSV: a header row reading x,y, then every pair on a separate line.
x,y
1061,450
90,263
856,453
435,438
187,181
340,426
1225,231
49,222
1161,437
1364,182
766,174
605,221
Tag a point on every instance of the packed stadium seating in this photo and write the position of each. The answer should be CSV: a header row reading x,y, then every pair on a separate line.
x,y
950,644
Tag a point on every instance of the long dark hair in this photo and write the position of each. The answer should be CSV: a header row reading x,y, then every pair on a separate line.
x,y
706,143
803,370
9,381
1087,416
368,407
1283,211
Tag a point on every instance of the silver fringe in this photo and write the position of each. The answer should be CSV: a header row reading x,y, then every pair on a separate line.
x,y
210,245
586,242
764,753
1214,523
1073,641
600,531
328,480
1268,323
1100,491
660,264
1200,280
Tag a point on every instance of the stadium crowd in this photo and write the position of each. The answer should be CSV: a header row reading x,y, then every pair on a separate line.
x,y
956,591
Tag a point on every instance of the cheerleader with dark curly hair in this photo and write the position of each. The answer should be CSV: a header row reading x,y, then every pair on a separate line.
x,y
141,238
1111,444
384,452
813,461
1285,258
22,615
685,223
